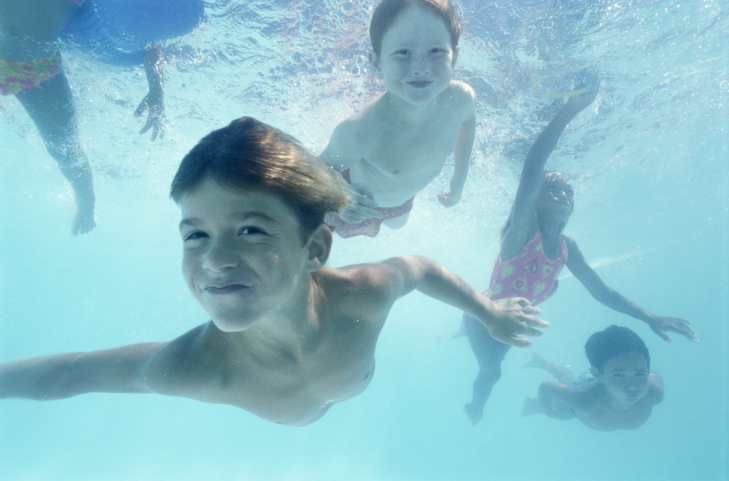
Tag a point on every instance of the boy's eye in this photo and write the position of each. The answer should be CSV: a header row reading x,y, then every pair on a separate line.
x,y
402,53
195,236
250,230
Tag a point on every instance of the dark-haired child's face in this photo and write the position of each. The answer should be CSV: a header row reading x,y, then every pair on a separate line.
x,y
625,378
243,258
556,200
416,59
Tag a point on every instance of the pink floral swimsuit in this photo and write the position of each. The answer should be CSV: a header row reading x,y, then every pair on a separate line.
x,y
529,274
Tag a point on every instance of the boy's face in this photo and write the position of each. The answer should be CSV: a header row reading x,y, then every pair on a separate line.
x,y
625,378
243,255
416,59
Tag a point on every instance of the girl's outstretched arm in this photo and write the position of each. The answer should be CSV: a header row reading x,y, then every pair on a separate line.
x,y
523,216
596,287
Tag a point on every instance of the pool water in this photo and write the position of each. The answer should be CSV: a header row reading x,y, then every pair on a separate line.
x,y
649,162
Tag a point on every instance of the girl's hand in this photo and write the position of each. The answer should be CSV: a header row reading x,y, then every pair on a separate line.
x,y
579,102
660,325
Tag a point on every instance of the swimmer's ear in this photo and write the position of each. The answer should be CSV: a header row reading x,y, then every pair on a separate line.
x,y
375,62
455,56
319,246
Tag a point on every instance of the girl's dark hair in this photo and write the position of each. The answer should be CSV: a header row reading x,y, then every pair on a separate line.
x,y
614,341
248,154
388,10
547,176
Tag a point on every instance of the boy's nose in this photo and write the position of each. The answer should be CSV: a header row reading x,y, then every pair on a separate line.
x,y
419,64
221,256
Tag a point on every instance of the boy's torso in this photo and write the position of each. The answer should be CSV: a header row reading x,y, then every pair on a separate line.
x,y
279,378
400,160
594,409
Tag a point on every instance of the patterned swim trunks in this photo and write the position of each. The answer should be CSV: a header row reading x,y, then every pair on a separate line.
x,y
18,76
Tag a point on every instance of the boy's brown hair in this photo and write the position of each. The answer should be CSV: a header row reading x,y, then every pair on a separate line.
x,y
248,154
388,11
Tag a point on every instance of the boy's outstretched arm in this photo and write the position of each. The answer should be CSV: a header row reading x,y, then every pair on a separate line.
x,y
506,319
614,300
461,159
117,370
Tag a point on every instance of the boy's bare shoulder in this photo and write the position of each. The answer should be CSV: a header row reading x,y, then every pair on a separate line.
x,y
360,289
355,132
462,96
655,388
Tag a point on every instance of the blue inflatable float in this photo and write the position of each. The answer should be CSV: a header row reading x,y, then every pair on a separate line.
x,y
117,31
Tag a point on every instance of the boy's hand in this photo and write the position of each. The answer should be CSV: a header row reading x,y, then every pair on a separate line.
x,y
660,325
449,199
511,318
154,106
359,206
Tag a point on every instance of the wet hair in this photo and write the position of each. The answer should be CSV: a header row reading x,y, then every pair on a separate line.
x,y
248,154
389,10
547,177
614,341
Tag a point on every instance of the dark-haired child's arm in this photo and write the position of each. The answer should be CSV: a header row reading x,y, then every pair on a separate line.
x,y
523,216
557,400
614,300
506,319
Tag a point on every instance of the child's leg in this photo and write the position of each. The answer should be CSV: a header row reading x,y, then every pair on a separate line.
x,y
561,372
397,222
489,353
50,105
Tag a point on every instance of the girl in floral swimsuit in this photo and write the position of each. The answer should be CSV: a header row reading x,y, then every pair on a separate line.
x,y
533,251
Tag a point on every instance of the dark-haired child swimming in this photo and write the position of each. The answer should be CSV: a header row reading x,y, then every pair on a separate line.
x,y
621,394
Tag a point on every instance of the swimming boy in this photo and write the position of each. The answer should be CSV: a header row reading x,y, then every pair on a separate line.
x,y
622,393
288,336
399,143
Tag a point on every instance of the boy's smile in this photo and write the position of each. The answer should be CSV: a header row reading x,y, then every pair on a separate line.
x,y
416,60
243,255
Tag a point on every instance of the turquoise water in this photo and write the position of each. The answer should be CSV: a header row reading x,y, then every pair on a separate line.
x,y
649,162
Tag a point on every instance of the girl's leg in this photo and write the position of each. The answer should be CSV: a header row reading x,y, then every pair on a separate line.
x,y
489,353
50,105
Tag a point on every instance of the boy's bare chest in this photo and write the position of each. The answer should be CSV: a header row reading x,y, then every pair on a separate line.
x,y
297,388
398,152
612,419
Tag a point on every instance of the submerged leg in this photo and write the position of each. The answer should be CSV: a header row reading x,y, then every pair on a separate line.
x,y
489,353
561,372
50,105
